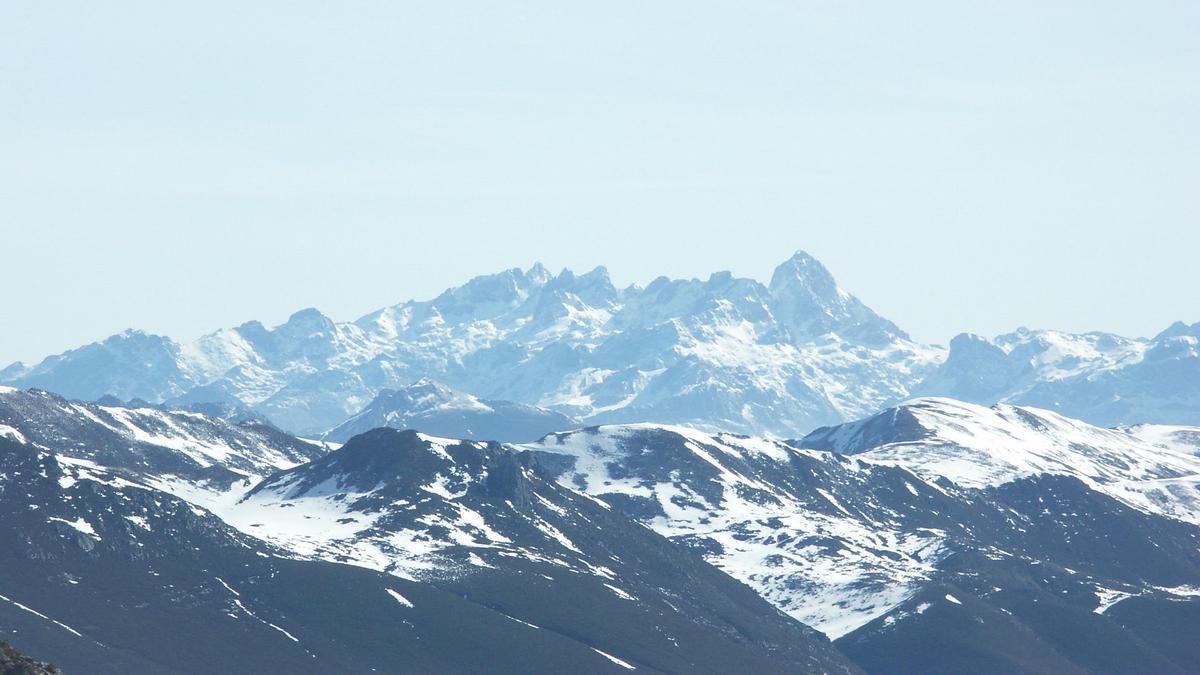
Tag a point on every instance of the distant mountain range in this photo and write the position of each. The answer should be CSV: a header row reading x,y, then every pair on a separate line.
x,y
1099,377
935,536
544,473
722,354
438,410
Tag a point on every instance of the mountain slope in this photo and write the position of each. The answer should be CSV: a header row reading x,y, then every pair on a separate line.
x,y
1047,594
13,662
974,446
1083,519
478,517
182,452
116,578
811,532
463,560
859,545
938,536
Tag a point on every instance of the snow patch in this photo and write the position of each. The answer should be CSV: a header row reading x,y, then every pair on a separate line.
x,y
400,598
79,524
624,664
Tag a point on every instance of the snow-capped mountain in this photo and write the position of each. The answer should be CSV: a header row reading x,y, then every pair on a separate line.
x,y
441,411
150,443
826,539
722,353
1021,516
463,559
1102,378
976,446
937,536
1181,439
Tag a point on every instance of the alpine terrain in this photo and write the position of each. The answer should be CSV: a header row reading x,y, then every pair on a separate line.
x,y
721,354
547,473
137,541
935,536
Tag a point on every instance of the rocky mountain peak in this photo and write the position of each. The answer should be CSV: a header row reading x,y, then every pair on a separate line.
x,y
976,370
803,273
807,300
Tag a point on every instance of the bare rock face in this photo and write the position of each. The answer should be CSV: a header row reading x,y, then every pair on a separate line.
x,y
13,662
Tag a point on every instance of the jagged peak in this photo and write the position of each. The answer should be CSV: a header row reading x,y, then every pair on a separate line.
x,y
538,274
598,274
804,271
806,298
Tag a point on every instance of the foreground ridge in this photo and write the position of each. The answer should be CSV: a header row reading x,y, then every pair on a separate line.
x,y
936,535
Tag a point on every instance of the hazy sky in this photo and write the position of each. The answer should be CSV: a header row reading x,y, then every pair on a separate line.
x,y
179,167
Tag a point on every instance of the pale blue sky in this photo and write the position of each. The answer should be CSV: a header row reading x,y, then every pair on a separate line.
x,y
179,167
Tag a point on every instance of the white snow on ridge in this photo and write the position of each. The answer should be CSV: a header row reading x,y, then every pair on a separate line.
x,y
1060,355
767,538
1177,438
194,436
12,433
976,446
812,553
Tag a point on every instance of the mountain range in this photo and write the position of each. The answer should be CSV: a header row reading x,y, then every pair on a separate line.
x,y
142,541
436,409
546,473
935,536
721,354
